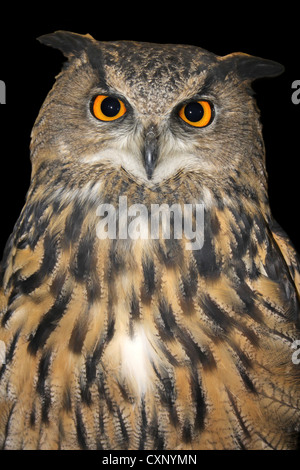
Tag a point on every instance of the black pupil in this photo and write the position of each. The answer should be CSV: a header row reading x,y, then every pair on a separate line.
x,y
110,107
194,111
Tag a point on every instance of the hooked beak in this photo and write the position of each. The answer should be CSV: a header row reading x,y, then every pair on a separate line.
x,y
150,150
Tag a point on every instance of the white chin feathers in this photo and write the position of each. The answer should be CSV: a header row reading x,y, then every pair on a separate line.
x,y
132,162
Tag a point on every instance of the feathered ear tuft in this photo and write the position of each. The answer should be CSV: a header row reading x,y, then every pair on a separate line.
x,y
70,44
251,68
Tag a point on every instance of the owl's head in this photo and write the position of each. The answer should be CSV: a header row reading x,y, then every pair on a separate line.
x,y
151,109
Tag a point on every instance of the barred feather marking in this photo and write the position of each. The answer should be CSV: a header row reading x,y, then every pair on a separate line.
x,y
142,344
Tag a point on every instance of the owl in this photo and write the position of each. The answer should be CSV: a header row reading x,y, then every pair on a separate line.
x,y
149,300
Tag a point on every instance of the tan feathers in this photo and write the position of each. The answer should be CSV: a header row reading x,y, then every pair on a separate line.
x,y
145,344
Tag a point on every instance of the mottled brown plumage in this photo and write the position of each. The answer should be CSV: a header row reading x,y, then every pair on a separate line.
x,y
144,344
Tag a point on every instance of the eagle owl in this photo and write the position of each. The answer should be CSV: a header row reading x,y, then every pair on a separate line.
x,y
114,341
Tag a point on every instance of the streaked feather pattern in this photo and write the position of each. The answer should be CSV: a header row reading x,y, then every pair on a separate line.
x,y
143,344
208,331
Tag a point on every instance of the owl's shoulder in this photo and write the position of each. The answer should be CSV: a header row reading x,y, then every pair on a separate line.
x,y
288,252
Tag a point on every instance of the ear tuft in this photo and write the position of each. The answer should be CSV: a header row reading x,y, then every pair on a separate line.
x,y
251,68
70,44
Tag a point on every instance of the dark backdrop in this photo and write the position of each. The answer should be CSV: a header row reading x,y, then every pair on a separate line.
x,y
29,68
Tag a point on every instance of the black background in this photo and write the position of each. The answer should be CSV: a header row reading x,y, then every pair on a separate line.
x,y
29,69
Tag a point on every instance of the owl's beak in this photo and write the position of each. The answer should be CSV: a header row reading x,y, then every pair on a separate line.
x,y
150,150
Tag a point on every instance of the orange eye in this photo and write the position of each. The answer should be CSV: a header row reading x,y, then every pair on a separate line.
x,y
107,108
197,113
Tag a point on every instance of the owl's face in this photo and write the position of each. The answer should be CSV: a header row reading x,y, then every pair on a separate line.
x,y
152,109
